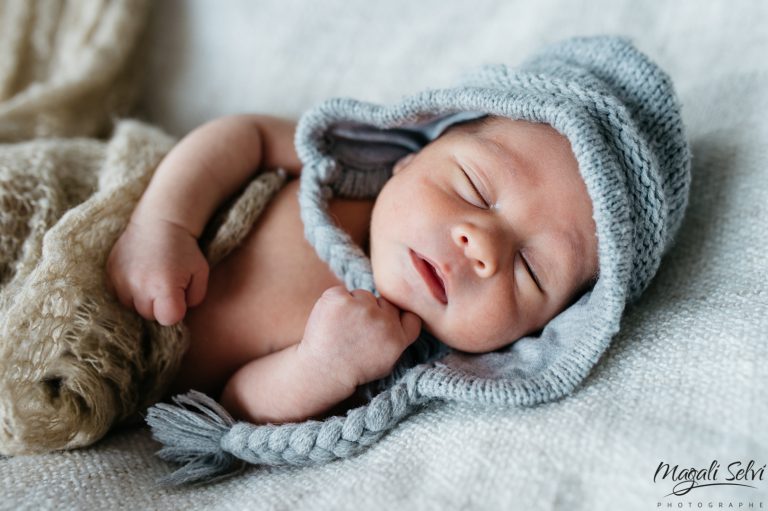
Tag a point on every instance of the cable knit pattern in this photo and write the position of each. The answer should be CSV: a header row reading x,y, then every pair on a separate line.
x,y
622,118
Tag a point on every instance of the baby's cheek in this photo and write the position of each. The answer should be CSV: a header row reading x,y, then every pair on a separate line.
x,y
458,334
485,328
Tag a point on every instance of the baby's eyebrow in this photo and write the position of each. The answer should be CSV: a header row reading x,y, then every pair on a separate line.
x,y
506,162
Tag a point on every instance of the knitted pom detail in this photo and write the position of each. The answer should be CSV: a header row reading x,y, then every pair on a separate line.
x,y
199,433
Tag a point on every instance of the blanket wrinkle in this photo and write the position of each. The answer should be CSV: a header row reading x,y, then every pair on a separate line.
x,y
68,67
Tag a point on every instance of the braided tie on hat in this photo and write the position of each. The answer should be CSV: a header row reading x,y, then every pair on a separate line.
x,y
199,433
333,245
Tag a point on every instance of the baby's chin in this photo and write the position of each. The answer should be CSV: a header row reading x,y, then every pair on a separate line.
x,y
468,342
402,305
452,341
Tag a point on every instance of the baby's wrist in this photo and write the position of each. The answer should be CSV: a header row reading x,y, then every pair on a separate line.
x,y
157,209
147,219
336,373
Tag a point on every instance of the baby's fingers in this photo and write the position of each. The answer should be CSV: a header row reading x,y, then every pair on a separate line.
x,y
410,322
143,305
411,325
170,308
197,287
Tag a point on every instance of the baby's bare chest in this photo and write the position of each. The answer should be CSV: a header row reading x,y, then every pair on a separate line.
x,y
259,297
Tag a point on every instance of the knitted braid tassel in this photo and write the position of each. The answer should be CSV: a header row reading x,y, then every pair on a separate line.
x,y
199,433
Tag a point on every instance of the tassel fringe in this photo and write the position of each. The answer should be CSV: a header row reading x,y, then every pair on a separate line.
x,y
191,432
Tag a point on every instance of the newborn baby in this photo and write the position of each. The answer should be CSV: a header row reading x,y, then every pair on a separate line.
x,y
481,237
475,244
511,217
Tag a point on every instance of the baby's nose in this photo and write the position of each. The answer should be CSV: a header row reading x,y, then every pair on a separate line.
x,y
478,247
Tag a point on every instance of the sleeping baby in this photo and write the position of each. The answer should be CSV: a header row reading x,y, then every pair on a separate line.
x,y
489,210
480,237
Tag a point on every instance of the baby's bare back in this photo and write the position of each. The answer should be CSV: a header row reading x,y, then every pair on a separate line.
x,y
260,296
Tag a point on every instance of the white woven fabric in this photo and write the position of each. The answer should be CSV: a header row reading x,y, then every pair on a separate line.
x,y
684,382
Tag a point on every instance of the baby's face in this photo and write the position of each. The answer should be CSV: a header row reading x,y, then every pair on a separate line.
x,y
500,212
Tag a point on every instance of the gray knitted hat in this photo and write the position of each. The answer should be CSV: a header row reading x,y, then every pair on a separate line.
x,y
621,115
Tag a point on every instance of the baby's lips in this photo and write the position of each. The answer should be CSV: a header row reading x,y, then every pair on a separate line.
x,y
431,277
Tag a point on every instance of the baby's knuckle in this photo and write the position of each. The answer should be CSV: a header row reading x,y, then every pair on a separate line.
x,y
132,284
335,292
154,288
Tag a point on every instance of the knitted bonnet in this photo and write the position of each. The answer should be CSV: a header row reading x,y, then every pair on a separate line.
x,y
621,115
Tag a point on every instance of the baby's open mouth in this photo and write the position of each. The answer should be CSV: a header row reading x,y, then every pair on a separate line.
x,y
430,276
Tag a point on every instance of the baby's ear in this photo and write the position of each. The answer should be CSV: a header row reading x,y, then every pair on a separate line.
x,y
402,162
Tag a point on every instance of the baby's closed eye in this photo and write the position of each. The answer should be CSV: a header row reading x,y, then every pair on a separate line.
x,y
531,273
474,190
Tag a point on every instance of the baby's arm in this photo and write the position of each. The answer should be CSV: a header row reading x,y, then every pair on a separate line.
x,y
284,386
156,266
213,162
350,338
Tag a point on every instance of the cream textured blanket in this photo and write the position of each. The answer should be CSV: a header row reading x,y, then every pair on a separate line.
x,y
73,362
65,69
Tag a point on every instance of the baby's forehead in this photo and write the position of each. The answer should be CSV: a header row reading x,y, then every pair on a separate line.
x,y
505,137
476,127
490,139
485,135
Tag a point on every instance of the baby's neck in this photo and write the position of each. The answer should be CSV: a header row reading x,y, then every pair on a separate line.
x,y
353,216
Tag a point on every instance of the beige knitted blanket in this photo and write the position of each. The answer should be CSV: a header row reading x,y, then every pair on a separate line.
x,y
73,362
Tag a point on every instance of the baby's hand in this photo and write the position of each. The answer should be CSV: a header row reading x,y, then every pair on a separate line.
x,y
157,268
355,336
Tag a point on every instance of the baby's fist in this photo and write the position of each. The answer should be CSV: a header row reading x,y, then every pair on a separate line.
x,y
157,269
355,336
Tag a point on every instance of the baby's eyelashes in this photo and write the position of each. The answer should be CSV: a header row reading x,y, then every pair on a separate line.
x,y
475,191
531,273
